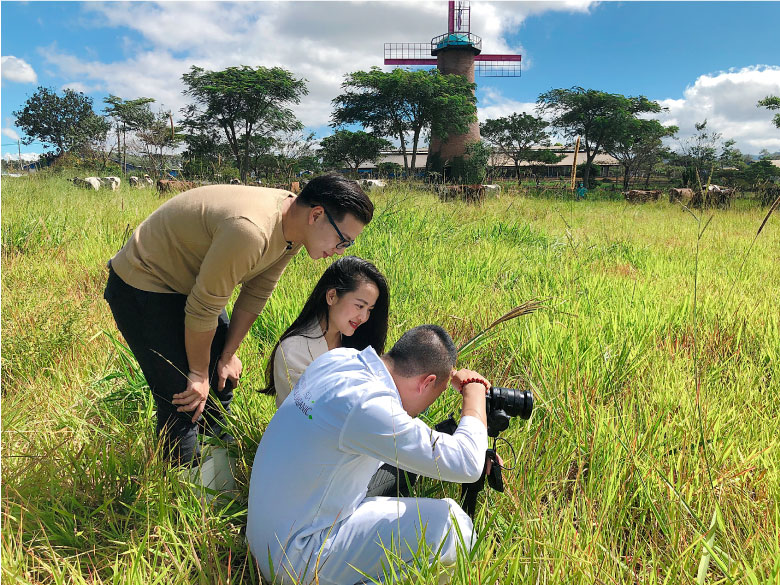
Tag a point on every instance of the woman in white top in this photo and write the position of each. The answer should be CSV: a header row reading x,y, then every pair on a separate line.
x,y
347,308
336,314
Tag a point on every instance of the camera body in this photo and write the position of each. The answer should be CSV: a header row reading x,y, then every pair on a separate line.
x,y
504,403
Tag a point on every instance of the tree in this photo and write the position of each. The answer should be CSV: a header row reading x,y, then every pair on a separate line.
x,y
593,115
127,115
352,148
771,102
157,136
290,150
64,122
400,102
702,153
519,136
243,102
636,144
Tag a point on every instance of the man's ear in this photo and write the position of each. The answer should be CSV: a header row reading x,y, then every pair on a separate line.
x,y
315,213
427,383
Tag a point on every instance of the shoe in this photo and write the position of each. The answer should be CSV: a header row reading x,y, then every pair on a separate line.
x,y
216,473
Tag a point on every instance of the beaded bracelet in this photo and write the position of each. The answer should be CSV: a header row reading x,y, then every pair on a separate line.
x,y
474,381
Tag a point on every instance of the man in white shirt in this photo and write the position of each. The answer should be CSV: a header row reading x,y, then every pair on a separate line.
x,y
350,412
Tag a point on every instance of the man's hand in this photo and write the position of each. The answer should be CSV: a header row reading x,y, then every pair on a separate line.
x,y
473,393
229,367
459,376
194,396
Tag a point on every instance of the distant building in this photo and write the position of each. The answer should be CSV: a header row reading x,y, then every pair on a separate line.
x,y
503,166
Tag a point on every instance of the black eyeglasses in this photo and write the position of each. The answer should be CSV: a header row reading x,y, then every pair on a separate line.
x,y
345,242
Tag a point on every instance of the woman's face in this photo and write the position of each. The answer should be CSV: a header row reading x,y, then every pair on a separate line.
x,y
350,310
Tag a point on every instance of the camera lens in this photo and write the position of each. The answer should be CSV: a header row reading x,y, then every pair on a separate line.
x,y
514,402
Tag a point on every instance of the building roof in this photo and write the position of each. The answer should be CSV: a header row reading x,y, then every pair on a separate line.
x,y
496,160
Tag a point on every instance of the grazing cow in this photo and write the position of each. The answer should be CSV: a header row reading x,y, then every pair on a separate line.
x,y
372,184
235,181
449,192
134,181
716,196
494,189
639,196
111,182
148,181
87,183
681,195
295,187
474,193
467,193
173,186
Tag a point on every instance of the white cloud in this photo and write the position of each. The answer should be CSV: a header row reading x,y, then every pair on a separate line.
x,y
10,133
319,41
727,100
493,104
18,70
26,156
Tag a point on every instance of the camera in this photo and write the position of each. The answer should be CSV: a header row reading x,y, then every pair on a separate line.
x,y
502,404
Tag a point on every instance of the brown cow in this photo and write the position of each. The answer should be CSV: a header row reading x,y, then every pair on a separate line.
x,y
638,196
173,186
682,195
474,193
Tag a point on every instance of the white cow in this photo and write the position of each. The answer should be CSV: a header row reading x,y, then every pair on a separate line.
x,y
134,181
111,182
494,189
87,183
372,184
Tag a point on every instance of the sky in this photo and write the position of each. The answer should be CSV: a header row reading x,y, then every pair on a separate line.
x,y
700,60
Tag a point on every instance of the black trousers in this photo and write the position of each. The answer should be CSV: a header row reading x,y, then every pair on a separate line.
x,y
153,326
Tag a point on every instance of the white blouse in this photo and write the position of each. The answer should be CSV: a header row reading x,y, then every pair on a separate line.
x,y
293,356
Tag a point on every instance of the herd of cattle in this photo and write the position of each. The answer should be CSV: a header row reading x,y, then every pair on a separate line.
x,y
714,196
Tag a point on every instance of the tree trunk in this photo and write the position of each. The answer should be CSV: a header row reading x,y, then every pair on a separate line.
x,y
626,176
517,172
118,143
403,151
415,140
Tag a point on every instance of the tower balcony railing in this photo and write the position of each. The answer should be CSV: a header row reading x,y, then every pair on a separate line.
x,y
456,40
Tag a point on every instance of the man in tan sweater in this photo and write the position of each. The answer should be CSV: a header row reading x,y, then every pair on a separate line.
x,y
169,285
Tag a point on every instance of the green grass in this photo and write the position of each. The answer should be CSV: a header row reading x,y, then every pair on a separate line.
x,y
611,482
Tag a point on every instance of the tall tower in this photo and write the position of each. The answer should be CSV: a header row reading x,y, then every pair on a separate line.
x,y
459,52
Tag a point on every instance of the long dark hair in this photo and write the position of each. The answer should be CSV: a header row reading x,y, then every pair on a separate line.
x,y
345,275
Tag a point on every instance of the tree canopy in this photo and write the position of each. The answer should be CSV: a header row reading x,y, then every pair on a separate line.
x,y
400,102
128,115
65,122
771,102
595,116
244,103
521,137
636,144
352,148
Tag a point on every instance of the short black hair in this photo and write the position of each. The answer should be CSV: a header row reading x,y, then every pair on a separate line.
x,y
426,349
339,196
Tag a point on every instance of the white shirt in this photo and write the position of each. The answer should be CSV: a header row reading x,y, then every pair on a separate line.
x,y
321,448
293,356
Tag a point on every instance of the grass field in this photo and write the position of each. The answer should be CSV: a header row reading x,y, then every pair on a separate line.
x,y
652,455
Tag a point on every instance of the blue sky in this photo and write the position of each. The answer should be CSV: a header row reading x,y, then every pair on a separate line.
x,y
701,60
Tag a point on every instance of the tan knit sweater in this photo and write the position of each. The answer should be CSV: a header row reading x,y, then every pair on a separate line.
x,y
204,242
